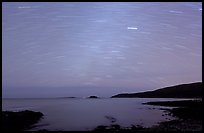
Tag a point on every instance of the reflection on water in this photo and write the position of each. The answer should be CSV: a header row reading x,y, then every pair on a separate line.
x,y
86,114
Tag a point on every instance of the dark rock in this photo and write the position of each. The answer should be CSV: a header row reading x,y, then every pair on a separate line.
x,y
16,121
93,97
116,127
185,109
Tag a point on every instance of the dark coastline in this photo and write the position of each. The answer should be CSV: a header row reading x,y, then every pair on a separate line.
x,y
188,114
191,90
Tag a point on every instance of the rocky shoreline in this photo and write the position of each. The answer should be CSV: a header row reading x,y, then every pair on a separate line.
x,y
172,125
187,112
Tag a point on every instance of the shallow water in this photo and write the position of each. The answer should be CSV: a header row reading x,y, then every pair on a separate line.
x,y
86,114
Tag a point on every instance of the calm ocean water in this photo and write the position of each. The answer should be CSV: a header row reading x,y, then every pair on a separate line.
x,y
86,114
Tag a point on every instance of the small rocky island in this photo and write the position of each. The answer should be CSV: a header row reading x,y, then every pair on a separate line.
x,y
19,121
92,97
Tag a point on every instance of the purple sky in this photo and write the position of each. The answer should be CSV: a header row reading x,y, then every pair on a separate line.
x,y
81,49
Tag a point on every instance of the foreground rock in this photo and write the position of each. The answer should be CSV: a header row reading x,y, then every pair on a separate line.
x,y
19,121
178,125
116,127
173,125
188,114
185,109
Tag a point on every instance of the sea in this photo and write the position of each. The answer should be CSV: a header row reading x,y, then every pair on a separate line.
x,y
84,114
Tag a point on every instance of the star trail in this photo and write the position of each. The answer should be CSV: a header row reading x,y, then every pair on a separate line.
x,y
51,48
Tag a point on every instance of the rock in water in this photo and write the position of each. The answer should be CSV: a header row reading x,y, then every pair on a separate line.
x,y
16,121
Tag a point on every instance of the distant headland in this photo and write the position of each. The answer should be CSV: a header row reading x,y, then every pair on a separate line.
x,y
191,90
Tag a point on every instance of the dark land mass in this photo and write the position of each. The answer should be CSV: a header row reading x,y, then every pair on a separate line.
x,y
188,114
185,109
192,90
19,121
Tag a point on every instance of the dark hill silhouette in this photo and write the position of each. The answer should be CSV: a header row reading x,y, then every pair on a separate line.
x,y
191,90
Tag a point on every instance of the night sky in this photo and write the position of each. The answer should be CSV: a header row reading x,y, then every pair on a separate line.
x,y
82,49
